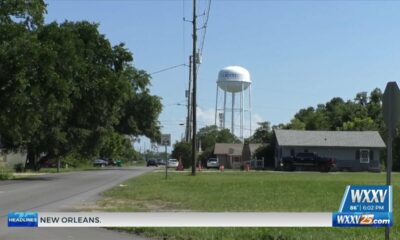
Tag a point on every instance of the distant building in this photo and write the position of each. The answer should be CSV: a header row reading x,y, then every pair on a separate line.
x,y
229,154
235,155
249,151
353,151
10,159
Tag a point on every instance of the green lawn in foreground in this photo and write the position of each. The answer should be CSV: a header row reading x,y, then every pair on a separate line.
x,y
246,191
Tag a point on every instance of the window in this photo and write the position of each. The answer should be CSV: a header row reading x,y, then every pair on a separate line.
x,y
364,155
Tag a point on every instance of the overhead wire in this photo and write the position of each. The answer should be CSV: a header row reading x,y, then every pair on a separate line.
x,y
205,25
168,68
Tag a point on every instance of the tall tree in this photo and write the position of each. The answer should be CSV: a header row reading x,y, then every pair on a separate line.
x,y
64,88
262,134
183,151
209,136
30,13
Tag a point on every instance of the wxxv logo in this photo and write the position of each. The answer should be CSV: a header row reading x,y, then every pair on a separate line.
x,y
365,206
360,219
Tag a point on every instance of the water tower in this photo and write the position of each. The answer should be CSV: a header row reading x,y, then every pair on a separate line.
x,y
233,81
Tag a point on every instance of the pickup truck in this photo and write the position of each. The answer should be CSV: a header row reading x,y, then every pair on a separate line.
x,y
305,160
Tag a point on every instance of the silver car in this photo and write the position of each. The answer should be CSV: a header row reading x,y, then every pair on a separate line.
x,y
212,163
172,163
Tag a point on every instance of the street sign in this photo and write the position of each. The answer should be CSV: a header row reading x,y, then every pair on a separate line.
x,y
165,140
391,106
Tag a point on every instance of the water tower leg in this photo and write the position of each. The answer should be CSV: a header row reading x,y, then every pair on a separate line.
x,y
233,114
224,110
216,107
250,108
241,114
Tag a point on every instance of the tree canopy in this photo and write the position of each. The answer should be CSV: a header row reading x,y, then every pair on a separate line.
x,y
210,135
362,113
65,88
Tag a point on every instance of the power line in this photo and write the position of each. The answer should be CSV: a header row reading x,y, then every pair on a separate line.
x,y
183,30
168,68
205,25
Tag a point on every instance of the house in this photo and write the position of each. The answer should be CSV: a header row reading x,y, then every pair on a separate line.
x,y
353,151
229,154
249,151
10,159
235,155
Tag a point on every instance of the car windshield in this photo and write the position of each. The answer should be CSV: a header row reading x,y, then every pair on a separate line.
x,y
212,160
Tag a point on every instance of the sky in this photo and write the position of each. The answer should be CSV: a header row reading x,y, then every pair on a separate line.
x,y
298,53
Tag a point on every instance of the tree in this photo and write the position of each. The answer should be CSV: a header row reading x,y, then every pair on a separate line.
x,y
361,98
262,134
209,136
73,90
183,151
21,57
360,124
30,13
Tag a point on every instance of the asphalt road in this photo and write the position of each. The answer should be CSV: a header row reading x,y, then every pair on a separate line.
x,y
60,192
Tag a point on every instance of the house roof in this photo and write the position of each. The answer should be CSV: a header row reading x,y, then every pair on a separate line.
x,y
254,146
329,138
228,149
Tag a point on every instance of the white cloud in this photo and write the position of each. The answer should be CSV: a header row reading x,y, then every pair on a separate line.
x,y
205,117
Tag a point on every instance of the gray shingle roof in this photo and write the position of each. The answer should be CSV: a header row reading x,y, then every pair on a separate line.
x,y
329,138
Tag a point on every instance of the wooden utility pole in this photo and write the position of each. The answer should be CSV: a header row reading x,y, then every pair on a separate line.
x,y
194,71
188,135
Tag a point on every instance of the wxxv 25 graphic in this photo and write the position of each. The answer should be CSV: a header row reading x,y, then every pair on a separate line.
x,y
365,206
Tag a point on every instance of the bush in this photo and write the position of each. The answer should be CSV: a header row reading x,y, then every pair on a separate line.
x,y
19,167
5,173
75,160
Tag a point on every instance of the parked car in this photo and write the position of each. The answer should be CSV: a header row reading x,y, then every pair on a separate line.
x,y
173,163
48,163
111,162
100,163
212,163
306,160
152,162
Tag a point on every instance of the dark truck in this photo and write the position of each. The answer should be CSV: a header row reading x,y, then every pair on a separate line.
x,y
305,160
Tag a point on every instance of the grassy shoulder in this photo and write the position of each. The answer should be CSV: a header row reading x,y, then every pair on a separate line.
x,y
243,191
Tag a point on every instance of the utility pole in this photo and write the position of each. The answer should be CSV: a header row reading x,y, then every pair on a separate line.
x,y
194,71
189,105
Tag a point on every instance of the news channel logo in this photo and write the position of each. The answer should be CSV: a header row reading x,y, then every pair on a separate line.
x,y
365,206
362,219
22,219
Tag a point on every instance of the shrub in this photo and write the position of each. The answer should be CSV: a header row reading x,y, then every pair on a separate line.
x,y
5,173
19,167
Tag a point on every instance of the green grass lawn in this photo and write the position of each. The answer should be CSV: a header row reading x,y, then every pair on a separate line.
x,y
245,191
